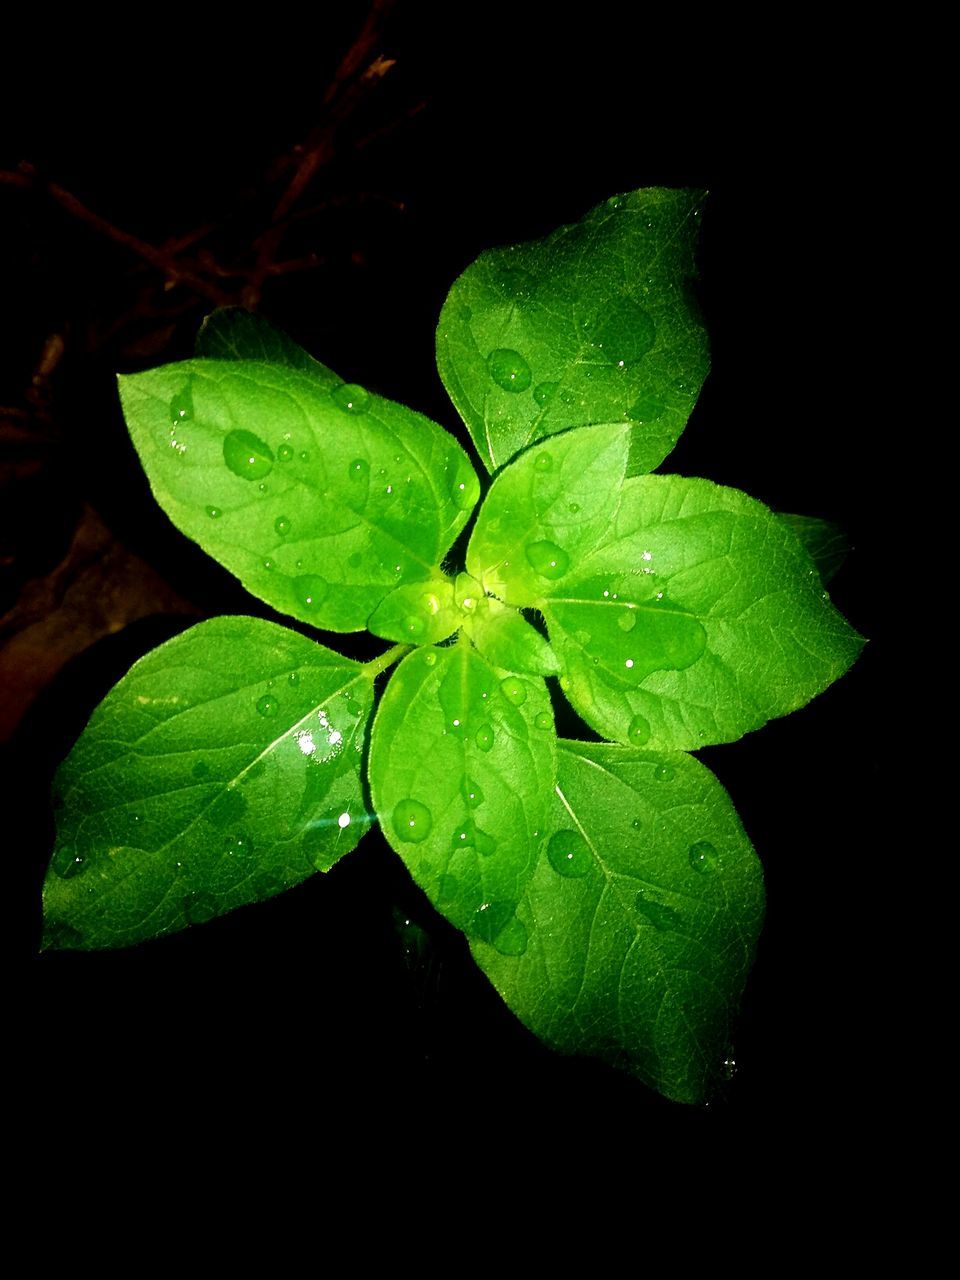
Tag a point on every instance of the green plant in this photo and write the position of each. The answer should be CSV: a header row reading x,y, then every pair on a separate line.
x,y
607,888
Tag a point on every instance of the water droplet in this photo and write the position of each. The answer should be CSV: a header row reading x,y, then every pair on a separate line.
x,y
267,706
543,463
228,808
543,720
543,391
469,836
660,916
67,863
569,854
238,846
728,1068
512,938
466,491
285,453
624,333
484,737
547,559
471,793
304,456
514,690
355,560
201,769
508,369
247,455
646,409
282,526
199,907
491,918
663,772
615,202
626,619
268,565
448,889
574,507
430,658
516,284
704,857
262,488
351,398
638,731
310,590
181,406
414,626
214,513
359,469
412,821
293,678
637,823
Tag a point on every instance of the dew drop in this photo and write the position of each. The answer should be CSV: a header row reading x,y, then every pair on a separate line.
x,y
430,658
267,706
512,938
181,406
414,626
293,678
310,590
201,769
626,619
466,491
471,793
514,690
646,409
544,391
469,836
247,455
624,333
543,720
544,462
492,918
638,731
304,456
484,737
615,202
285,453
214,512
199,907
704,857
637,823
359,469
282,526
412,821
569,854
660,916
663,772
508,369
547,559
268,565
67,863
574,507
351,398
238,846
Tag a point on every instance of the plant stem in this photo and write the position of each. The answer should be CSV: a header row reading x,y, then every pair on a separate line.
x,y
376,666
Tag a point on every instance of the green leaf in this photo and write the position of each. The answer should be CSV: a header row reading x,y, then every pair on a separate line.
x,y
222,769
642,916
235,334
825,543
594,324
507,640
544,510
462,765
320,500
693,617
418,613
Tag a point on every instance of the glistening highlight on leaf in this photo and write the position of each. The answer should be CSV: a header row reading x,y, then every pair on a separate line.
x,y
608,890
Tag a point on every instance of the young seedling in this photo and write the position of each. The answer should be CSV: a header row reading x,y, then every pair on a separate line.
x,y
607,889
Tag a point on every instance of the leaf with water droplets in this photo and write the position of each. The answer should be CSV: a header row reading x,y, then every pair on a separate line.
x,y
327,497
206,779
462,762
732,626
641,918
595,323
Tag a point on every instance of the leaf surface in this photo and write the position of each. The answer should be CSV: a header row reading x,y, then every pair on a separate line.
x,y
507,640
462,766
642,915
320,498
596,323
222,769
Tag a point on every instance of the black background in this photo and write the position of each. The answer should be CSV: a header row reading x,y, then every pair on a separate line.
x,y
285,1012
